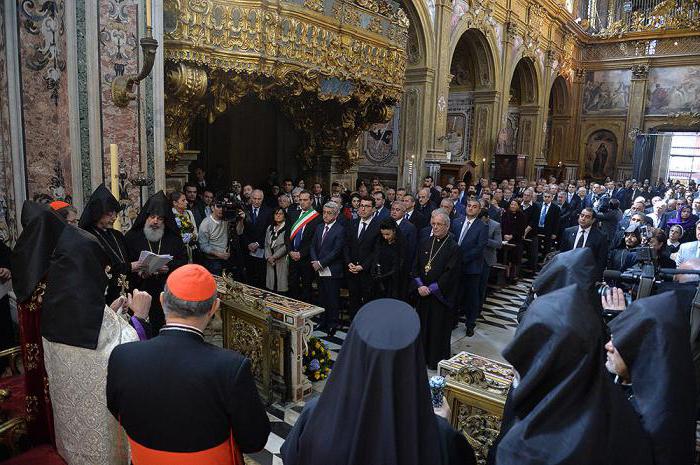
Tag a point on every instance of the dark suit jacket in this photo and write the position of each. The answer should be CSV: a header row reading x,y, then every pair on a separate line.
x,y
418,220
381,214
198,212
410,235
425,210
551,219
532,215
317,207
596,241
255,232
473,244
358,250
306,238
177,393
330,253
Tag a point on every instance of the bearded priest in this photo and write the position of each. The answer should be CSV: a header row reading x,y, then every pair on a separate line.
x,y
155,231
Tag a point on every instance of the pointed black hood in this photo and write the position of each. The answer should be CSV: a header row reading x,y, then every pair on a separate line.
x,y
157,204
565,408
375,408
653,337
41,228
75,290
576,266
101,201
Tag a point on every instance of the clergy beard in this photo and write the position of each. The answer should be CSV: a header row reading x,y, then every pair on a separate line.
x,y
153,235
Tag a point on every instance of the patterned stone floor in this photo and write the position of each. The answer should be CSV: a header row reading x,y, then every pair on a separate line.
x,y
494,330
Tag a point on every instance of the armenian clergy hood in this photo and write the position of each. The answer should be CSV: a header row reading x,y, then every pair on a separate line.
x,y
155,231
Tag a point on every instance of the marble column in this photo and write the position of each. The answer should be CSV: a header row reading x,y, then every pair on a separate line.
x,y
577,155
436,151
635,113
486,104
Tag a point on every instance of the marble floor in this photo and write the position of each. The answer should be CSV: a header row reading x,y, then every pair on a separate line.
x,y
494,330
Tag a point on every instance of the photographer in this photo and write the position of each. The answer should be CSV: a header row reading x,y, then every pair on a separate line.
x,y
624,256
214,239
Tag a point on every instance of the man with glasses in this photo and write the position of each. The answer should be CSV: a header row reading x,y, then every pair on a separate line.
x,y
361,236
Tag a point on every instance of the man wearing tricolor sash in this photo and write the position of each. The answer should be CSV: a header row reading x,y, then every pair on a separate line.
x,y
181,400
301,274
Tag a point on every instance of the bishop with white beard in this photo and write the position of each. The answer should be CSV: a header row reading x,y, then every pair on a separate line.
x,y
155,231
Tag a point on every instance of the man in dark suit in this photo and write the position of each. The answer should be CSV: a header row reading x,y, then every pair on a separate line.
x,y
380,209
425,206
548,222
434,193
418,220
586,235
327,260
566,213
408,230
202,207
179,399
304,223
318,199
258,218
532,214
472,237
361,236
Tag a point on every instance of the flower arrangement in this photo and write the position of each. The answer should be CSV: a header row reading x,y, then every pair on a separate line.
x,y
317,360
186,227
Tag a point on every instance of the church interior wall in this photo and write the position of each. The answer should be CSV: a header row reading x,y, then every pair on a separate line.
x,y
44,100
7,205
433,117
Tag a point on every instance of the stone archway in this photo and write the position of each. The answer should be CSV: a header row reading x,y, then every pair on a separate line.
x,y
472,100
558,124
523,109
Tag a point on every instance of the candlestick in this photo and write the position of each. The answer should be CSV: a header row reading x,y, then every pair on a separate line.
x,y
114,177
148,13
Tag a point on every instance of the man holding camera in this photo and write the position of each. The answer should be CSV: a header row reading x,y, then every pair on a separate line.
x,y
214,239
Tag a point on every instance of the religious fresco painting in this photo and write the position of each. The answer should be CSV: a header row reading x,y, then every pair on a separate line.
x,y
606,92
673,90
601,151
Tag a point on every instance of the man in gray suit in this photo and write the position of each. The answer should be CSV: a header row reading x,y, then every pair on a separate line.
x,y
495,242
689,249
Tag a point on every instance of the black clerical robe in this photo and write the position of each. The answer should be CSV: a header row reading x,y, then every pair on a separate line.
x,y
114,245
437,310
170,244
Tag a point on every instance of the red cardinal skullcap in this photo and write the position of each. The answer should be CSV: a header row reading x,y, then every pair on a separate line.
x,y
192,283
58,204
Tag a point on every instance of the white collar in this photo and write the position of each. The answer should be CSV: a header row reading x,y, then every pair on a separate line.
x,y
330,225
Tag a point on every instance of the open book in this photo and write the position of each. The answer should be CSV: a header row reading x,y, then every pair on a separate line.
x,y
151,262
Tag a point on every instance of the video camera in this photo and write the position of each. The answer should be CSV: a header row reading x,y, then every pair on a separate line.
x,y
230,205
639,281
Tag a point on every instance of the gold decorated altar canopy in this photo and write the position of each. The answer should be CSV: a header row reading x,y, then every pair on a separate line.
x,y
334,66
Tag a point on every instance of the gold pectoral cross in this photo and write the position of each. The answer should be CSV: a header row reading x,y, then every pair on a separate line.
x,y
123,284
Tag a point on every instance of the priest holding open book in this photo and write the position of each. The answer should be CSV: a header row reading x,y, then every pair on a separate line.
x,y
154,240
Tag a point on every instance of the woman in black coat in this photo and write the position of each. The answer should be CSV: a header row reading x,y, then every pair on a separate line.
x,y
513,224
389,269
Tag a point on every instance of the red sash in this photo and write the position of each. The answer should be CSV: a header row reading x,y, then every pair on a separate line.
x,y
226,453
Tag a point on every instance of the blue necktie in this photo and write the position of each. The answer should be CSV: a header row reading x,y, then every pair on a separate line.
x,y
297,239
543,214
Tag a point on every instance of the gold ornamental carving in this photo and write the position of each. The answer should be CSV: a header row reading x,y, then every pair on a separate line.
x,y
480,429
249,341
332,75
185,89
666,15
